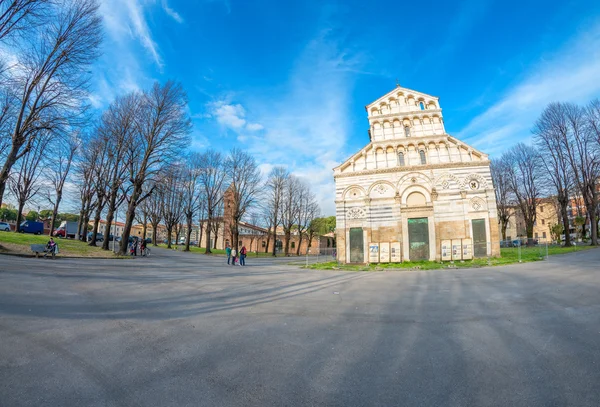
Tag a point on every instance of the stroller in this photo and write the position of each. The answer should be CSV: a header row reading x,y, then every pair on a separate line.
x,y
51,250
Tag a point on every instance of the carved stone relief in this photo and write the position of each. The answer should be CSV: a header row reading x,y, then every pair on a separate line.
x,y
356,213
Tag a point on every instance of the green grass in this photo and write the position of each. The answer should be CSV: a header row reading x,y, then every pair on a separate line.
x,y
509,256
19,243
217,252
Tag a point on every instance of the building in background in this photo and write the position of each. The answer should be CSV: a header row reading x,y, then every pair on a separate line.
x,y
413,187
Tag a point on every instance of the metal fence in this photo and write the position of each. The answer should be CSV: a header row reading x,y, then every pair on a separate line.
x,y
463,250
320,255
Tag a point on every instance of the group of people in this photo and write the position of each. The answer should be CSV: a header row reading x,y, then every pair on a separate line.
x,y
137,244
232,255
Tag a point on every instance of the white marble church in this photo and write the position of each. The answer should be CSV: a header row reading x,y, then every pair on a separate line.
x,y
414,192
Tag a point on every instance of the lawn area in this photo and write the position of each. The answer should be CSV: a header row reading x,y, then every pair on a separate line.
x,y
509,256
216,252
18,243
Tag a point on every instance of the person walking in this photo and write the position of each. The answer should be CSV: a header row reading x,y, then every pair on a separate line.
x,y
243,256
228,253
233,256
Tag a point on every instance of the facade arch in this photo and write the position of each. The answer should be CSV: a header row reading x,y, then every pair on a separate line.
x,y
475,182
404,194
446,180
382,189
354,192
477,204
414,178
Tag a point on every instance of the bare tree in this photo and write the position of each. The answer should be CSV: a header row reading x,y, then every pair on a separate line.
x,y
173,192
213,176
289,209
153,204
162,128
500,170
274,188
551,130
581,150
244,187
524,175
216,224
117,128
201,215
50,85
62,152
308,210
192,196
17,16
25,182
100,180
84,169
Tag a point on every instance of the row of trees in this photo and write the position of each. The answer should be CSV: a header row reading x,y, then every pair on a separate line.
x,y
134,155
564,161
290,204
48,47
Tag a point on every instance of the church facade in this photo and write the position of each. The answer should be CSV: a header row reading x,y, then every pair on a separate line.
x,y
414,192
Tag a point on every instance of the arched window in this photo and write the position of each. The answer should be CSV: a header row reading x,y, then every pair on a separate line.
x,y
422,105
422,155
407,131
401,159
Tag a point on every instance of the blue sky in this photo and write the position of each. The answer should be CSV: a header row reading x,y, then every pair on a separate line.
x,y
288,81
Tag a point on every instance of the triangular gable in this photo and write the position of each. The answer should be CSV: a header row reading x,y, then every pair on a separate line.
x,y
405,91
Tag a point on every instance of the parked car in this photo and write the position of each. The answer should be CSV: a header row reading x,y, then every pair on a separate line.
x,y
66,229
99,236
4,226
148,240
37,228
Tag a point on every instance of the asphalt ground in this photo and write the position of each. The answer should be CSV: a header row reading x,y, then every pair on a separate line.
x,y
179,329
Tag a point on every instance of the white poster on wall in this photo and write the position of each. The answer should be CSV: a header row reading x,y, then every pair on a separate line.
x,y
456,249
373,252
395,256
384,252
467,249
446,250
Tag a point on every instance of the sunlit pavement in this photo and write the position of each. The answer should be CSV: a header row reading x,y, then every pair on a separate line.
x,y
179,329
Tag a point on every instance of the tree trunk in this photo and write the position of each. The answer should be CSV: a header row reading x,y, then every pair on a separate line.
x,y
216,237
268,241
154,234
299,244
55,212
80,223
109,218
130,216
594,231
274,242
208,231
503,227
19,216
189,232
95,228
200,233
529,231
11,158
565,221
169,237
287,242
145,226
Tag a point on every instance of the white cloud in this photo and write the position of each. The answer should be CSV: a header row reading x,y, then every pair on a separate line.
x,y
306,125
172,13
141,30
232,116
571,75
229,115
254,126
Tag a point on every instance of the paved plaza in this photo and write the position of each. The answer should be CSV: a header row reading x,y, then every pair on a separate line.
x,y
180,329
